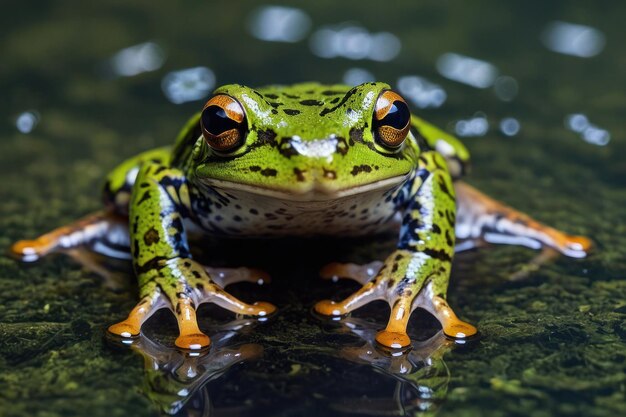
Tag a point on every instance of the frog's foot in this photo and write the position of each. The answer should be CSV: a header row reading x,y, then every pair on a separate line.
x,y
395,336
479,217
84,231
436,305
182,284
378,288
146,307
360,273
403,295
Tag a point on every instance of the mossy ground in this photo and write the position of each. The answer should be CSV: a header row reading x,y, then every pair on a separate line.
x,y
552,344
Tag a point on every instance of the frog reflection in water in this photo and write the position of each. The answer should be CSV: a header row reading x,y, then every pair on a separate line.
x,y
300,160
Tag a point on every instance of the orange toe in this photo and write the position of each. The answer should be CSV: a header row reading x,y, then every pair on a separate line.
x,y
193,341
329,308
124,329
393,340
263,308
28,250
460,330
579,243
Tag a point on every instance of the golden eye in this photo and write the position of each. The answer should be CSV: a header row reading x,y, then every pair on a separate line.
x,y
223,123
392,120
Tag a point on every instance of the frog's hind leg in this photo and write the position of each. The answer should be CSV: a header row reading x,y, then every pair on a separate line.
x,y
481,219
103,232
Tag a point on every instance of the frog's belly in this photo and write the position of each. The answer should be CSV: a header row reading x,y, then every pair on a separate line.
x,y
242,213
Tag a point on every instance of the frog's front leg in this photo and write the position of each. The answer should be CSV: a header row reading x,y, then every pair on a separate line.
x,y
167,275
417,273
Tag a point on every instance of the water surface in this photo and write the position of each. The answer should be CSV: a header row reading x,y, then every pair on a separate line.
x,y
540,103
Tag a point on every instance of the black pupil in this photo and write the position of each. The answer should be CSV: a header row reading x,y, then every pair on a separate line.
x,y
398,115
215,121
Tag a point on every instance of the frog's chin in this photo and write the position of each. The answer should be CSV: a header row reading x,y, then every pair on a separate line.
x,y
313,191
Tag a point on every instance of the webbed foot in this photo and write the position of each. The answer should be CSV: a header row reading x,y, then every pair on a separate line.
x,y
403,294
182,284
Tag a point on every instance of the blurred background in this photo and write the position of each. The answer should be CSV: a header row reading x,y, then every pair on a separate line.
x,y
534,88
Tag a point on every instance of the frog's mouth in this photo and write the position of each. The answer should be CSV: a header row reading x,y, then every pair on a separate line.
x,y
309,191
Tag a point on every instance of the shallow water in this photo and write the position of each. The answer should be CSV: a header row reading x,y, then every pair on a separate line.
x,y
551,344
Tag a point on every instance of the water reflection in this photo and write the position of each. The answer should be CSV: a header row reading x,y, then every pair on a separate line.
x,y
27,121
509,126
279,24
354,42
589,132
572,39
176,381
476,126
466,70
505,87
420,373
136,59
356,76
188,84
421,92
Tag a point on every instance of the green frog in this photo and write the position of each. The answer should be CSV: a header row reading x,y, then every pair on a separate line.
x,y
300,160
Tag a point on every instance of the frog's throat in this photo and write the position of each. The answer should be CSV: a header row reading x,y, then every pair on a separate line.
x,y
314,191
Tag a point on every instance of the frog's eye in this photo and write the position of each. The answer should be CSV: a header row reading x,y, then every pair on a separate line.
x,y
392,119
223,123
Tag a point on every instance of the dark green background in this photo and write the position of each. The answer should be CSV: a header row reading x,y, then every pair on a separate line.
x,y
552,344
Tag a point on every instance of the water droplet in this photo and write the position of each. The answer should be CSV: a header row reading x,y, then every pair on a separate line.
x,y
188,84
577,122
279,24
356,76
136,59
476,126
467,70
27,121
505,87
509,126
354,42
573,39
421,92
590,133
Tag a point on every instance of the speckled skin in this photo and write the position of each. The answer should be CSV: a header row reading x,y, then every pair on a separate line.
x,y
310,164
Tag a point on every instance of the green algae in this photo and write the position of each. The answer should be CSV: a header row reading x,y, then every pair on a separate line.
x,y
551,344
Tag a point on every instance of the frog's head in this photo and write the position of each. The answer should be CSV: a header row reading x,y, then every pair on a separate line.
x,y
306,141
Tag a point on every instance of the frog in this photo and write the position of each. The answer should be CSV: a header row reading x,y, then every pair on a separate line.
x,y
299,160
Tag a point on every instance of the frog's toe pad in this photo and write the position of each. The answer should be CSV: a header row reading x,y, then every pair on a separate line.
x,y
330,308
262,309
460,330
28,250
577,246
193,341
124,329
393,340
